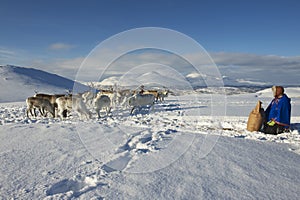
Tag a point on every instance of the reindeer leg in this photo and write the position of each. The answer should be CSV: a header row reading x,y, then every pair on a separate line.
x,y
98,113
42,112
151,109
132,110
64,113
53,112
61,114
27,111
34,113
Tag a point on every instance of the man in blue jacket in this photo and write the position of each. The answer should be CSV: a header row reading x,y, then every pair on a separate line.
x,y
278,113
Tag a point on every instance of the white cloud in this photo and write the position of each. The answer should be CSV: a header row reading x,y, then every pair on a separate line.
x,y
13,56
237,66
61,46
6,53
234,66
194,75
242,59
63,67
268,69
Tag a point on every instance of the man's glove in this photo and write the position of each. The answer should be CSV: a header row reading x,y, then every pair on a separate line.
x,y
271,123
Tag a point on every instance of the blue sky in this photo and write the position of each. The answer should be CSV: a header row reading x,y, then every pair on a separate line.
x,y
44,33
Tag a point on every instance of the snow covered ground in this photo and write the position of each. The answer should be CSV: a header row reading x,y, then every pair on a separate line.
x,y
192,146
178,150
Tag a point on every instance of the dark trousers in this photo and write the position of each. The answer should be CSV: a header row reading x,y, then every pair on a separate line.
x,y
276,129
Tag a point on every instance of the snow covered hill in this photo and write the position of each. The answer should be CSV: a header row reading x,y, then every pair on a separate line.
x,y
18,83
152,79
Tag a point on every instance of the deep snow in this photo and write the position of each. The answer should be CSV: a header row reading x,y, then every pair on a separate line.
x,y
178,150
165,154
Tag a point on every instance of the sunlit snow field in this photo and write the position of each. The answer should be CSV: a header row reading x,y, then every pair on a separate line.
x,y
194,145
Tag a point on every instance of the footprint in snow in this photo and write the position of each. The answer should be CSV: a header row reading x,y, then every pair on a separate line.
x,y
75,186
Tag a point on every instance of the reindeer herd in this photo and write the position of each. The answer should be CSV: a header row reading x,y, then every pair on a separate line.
x,y
61,105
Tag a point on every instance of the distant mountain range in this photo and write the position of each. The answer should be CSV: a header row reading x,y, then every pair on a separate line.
x,y
18,83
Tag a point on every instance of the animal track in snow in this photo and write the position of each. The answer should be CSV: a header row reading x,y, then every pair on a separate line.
x,y
74,187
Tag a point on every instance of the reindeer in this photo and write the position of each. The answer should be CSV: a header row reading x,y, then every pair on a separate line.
x,y
66,104
40,103
100,102
113,95
123,96
162,94
89,95
153,92
50,97
139,100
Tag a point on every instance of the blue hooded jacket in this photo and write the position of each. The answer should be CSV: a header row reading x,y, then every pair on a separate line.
x,y
280,110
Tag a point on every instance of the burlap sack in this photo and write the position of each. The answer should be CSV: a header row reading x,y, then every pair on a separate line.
x,y
255,118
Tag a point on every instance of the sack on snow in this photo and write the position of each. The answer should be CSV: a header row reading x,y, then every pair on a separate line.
x,y
256,118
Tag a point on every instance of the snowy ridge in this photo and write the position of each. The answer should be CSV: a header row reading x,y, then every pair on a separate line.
x,y
150,79
292,92
18,83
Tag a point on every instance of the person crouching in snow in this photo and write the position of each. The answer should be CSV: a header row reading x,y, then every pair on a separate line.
x,y
278,113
